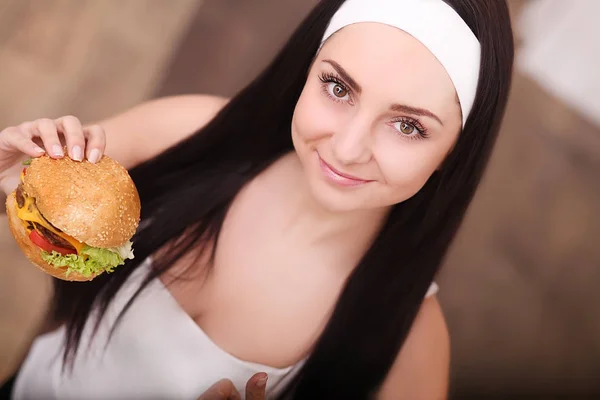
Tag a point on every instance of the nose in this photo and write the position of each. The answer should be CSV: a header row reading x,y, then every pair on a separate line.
x,y
351,144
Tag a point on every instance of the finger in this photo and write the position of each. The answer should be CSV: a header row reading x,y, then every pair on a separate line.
x,y
222,390
234,395
30,131
15,138
26,129
96,142
73,132
46,130
256,387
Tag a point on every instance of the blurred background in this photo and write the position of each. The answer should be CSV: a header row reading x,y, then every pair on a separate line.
x,y
519,285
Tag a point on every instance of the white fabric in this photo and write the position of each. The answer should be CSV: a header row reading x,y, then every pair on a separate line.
x,y
435,24
158,352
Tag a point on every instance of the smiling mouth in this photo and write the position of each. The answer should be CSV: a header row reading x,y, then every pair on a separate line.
x,y
338,177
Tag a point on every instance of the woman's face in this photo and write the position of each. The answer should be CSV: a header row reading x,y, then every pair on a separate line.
x,y
376,118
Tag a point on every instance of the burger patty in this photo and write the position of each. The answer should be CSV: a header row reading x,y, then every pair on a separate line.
x,y
47,234
53,238
20,196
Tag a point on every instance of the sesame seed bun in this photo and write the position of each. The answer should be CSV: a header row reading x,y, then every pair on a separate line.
x,y
31,251
97,204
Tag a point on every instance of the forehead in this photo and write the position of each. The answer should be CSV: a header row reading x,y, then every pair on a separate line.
x,y
393,64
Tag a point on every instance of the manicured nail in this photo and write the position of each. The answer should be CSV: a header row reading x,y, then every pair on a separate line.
x,y
39,150
77,153
57,150
262,382
94,156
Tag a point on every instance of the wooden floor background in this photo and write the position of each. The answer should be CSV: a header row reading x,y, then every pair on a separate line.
x,y
519,286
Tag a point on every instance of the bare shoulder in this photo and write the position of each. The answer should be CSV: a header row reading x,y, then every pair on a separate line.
x,y
421,369
149,128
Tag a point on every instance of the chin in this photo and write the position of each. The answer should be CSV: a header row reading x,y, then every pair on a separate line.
x,y
326,194
369,197
340,200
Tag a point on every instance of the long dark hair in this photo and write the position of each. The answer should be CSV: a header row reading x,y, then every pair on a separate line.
x,y
187,190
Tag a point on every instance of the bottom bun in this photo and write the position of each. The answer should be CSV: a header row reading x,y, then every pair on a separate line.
x,y
31,251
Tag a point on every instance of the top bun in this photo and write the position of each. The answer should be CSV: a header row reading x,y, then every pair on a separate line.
x,y
97,204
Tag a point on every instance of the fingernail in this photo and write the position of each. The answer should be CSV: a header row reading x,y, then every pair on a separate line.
x,y
77,153
39,150
262,382
94,156
57,150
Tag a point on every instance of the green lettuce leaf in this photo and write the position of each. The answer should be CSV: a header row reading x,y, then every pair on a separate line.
x,y
97,260
125,251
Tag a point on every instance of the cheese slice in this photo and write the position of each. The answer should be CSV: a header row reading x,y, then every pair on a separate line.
x,y
29,212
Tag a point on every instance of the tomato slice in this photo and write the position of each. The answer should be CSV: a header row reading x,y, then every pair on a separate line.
x,y
43,244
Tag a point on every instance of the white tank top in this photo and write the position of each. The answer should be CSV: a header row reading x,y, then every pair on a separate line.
x,y
157,352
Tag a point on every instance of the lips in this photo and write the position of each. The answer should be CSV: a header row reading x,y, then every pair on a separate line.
x,y
339,177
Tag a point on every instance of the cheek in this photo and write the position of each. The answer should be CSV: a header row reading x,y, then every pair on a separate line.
x,y
406,167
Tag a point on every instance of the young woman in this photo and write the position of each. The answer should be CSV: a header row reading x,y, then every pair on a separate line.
x,y
294,231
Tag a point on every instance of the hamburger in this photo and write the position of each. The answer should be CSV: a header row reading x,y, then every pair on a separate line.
x,y
74,220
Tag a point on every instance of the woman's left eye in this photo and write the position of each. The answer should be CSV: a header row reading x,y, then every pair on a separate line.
x,y
410,130
406,128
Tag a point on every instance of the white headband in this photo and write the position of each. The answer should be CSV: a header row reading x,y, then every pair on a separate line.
x,y
435,24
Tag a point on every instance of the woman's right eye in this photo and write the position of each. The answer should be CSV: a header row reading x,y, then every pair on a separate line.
x,y
334,88
338,90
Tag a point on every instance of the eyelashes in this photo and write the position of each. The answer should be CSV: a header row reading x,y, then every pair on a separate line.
x,y
415,129
406,127
330,83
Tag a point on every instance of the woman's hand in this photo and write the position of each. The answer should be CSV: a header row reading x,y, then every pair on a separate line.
x,y
46,136
225,390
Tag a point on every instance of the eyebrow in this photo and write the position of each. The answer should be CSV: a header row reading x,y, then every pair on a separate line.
x,y
345,76
394,107
415,111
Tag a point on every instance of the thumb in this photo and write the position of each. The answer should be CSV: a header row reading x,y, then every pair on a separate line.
x,y
222,390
